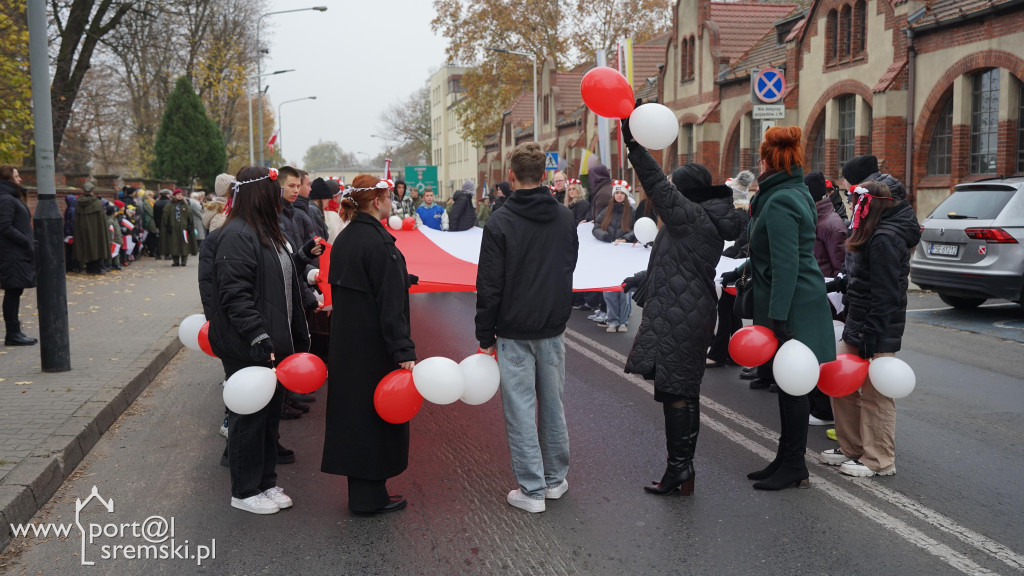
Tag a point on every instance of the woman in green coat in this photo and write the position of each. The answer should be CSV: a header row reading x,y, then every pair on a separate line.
x,y
178,230
789,290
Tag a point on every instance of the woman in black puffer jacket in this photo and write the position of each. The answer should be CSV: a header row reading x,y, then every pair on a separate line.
x,y
885,232
680,299
17,254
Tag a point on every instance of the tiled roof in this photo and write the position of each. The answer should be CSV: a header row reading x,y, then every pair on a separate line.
x,y
572,117
646,60
742,24
937,11
766,52
890,75
569,89
521,109
659,40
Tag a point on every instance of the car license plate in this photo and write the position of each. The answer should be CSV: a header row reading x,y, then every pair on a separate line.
x,y
944,249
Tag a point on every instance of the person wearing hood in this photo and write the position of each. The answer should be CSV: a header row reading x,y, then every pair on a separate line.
x,y
501,193
177,230
524,299
92,235
17,254
600,190
71,264
462,216
319,194
830,241
679,299
884,234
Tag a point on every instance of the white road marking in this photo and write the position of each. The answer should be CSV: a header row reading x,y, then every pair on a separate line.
x,y
909,533
993,305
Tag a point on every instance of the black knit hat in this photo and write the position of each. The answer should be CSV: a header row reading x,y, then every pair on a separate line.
x,y
694,181
815,182
318,190
858,169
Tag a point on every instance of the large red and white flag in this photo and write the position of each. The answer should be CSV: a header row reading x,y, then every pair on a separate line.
x,y
272,141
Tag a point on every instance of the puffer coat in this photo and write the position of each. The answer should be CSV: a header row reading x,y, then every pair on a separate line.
x,y
462,216
876,288
681,304
17,244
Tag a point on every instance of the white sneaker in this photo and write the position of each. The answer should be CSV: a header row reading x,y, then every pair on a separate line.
x,y
596,316
524,502
855,468
224,427
833,457
279,497
812,421
612,327
555,492
258,504
623,328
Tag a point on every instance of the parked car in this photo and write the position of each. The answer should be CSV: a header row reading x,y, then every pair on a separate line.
x,y
971,244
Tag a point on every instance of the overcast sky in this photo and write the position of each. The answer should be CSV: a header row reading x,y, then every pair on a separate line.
x,y
357,58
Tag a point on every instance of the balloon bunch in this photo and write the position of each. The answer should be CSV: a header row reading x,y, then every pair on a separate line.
x,y
399,223
400,394
250,389
797,371
607,93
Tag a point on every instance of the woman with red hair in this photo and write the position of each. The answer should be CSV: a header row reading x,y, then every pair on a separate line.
x,y
788,288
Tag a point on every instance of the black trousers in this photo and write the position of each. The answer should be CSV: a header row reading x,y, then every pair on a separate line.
x,y
366,496
12,302
793,411
728,324
252,445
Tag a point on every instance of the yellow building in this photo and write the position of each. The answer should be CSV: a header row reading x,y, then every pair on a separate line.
x,y
455,157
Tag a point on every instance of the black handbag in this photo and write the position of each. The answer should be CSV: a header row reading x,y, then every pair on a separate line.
x,y
743,307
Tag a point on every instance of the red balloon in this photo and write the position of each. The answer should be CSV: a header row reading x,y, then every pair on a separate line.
x,y
607,93
844,375
302,372
396,398
408,223
753,345
204,339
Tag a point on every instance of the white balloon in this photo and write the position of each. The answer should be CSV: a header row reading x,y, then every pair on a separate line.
x,y
249,389
188,331
892,377
654,126
395,222
645,230
481,376
438,380
796,368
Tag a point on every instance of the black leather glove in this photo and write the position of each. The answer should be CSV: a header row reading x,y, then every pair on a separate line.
x,y
627,136
307,249
413,279
781,331
832,286
260,351
631,283
866,349
731,277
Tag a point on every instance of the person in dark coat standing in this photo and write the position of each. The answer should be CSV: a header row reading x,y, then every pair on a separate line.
x,y
370,337
158,219
319,194
885,232
600,190
70,263
501,193
462,216
92,235
178,230
681,300
17,254
788,288
251,293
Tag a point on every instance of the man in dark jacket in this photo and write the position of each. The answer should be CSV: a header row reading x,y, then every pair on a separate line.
x,y
462,217
158,218
524,298
92,237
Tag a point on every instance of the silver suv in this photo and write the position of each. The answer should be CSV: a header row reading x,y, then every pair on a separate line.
x,y
970,247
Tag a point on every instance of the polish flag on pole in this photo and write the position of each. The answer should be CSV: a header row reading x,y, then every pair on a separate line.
x,y
387,168
272,141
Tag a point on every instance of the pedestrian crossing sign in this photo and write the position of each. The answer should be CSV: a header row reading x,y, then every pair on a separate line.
x,y
552,161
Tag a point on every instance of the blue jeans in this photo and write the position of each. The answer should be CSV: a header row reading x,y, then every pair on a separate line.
x,y
619,307
532,381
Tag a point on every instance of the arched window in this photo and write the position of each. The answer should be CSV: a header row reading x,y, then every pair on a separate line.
x,y
687,143
684,60
831,35
818,148
860,30
940,152
844,32
984,121
736,153
693,56
847,128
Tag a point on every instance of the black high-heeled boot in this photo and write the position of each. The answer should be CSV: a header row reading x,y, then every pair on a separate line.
x,y
682,425
792,471
777,462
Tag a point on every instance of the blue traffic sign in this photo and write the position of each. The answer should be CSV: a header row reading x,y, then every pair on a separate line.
x,y
770,85
551,163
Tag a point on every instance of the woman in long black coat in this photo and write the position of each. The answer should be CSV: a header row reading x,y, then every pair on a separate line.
x,y
370,337
17,254
681,300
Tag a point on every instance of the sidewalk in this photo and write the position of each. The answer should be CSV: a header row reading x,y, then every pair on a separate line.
x,y
123,331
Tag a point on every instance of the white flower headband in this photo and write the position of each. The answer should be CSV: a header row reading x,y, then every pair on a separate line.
x,y
236,185
381,185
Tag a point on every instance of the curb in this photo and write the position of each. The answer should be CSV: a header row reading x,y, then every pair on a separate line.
x,y
31,484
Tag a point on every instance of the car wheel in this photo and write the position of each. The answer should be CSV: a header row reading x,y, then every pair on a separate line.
x,y
962,302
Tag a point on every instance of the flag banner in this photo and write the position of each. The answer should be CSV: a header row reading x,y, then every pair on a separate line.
x,y
127,224
584,168
272,141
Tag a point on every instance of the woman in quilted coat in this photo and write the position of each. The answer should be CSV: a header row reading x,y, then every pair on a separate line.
x,y
679,298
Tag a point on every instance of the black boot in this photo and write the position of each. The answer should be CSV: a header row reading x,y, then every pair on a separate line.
x,y
15,337
792,471
682,424
777,462
184,260
284,455
175,261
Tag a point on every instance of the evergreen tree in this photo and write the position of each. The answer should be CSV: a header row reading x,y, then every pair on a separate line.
x,y
189,144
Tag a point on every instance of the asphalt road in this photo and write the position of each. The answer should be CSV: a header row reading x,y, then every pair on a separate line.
x,y
954,506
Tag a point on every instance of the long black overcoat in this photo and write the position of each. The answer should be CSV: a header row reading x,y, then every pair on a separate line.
x,y
17,244
370,336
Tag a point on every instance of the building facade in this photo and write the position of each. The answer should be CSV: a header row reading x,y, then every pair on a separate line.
x,y
455,157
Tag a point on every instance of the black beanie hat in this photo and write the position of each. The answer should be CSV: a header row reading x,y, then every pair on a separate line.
x,y
815,182
858,169
318,190
694,181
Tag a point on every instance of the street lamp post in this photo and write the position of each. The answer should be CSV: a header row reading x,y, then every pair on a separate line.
x,y
387,147
259,59
248,104
536,124
280,122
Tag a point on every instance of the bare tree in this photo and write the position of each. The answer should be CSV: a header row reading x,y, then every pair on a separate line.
x,y
408,122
